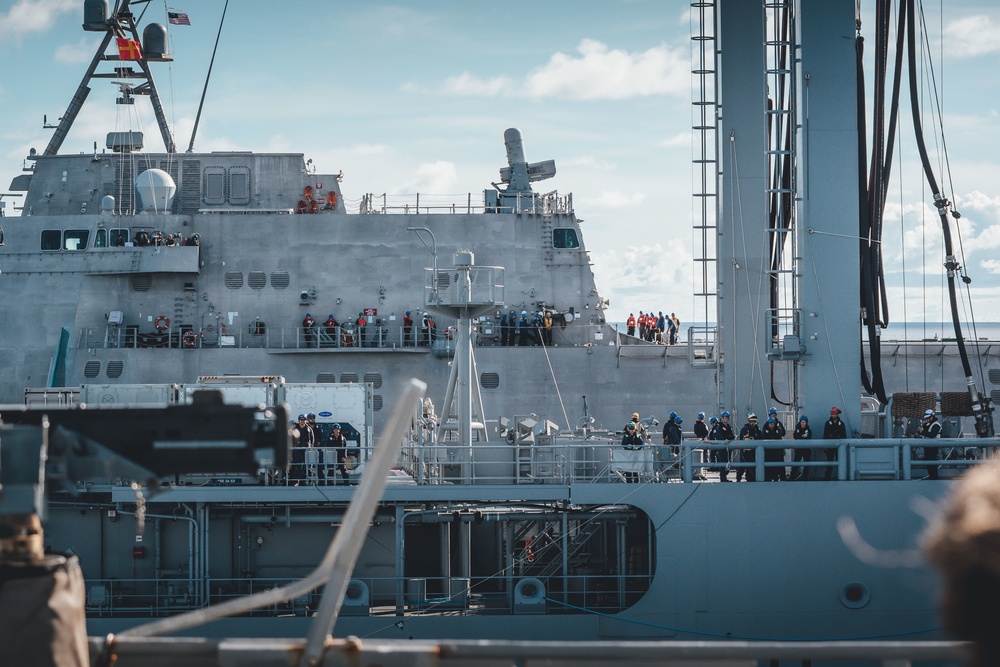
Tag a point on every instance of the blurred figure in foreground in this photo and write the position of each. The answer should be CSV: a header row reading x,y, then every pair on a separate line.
x,y
964,545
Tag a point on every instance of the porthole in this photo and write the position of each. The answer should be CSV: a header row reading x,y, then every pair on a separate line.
x,y
855,595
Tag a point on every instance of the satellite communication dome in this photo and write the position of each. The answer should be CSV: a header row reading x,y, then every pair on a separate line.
x,y
155,188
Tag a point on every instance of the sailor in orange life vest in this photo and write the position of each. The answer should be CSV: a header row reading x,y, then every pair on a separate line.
x,y
308,329
407,329
630,323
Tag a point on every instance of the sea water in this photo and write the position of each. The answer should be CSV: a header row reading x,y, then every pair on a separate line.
x,y
939,331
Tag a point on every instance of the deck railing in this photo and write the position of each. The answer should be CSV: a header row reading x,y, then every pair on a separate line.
x,y
345,337
601,460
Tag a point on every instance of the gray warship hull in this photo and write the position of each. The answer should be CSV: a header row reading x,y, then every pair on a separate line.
x,y
532,532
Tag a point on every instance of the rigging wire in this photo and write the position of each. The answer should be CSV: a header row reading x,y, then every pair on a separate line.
x,y
983,418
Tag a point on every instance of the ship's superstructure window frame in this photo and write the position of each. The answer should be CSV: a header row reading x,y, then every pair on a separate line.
x,y
565,238
108,238
239,186
75,239
214,185
51,239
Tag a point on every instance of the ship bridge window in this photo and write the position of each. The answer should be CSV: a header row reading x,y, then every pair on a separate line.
x,y
565,238
105,238
76,239
118,237
51,239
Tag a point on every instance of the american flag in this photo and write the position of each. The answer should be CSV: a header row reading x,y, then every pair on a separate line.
x,y
178,18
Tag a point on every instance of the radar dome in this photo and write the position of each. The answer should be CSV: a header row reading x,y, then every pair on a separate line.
x,y
156,189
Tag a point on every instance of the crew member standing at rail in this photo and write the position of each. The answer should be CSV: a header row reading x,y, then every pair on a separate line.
x,y
771,432
407,330
547,328
701,432
750,431
802,432
722,431
308,329
630,323
631,440
297,473
338,443
833,429
930,428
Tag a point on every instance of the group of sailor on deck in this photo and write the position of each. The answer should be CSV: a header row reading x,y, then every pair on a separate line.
x,y
720,431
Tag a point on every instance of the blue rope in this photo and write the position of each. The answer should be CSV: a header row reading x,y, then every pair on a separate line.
x,y
746,637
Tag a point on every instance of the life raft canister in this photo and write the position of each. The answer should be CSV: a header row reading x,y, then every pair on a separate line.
x,y
307,193
161,323
331,199
313,206
302,206
189,339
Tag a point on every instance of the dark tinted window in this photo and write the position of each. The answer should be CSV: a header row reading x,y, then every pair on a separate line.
x,y
51,239
118,237
565,238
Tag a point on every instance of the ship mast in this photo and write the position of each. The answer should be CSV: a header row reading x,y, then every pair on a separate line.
x,y
120,25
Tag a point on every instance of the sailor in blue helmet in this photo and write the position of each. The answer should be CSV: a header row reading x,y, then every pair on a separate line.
x,y
672,437
722,432
508,325
773,412
338,443
700,428
802,431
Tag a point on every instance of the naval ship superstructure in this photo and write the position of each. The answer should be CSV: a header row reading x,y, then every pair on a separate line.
x,y
508,515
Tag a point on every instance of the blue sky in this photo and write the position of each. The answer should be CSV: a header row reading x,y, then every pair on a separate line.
x,y
413,97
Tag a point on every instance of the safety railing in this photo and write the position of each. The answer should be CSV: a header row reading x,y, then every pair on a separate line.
x,y
600,460
532,203
486,333
558,594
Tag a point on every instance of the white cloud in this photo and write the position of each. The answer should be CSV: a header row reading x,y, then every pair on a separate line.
x,y
74,54
432,177
972,36
991,265
597,72
628,277
31,16
469,84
